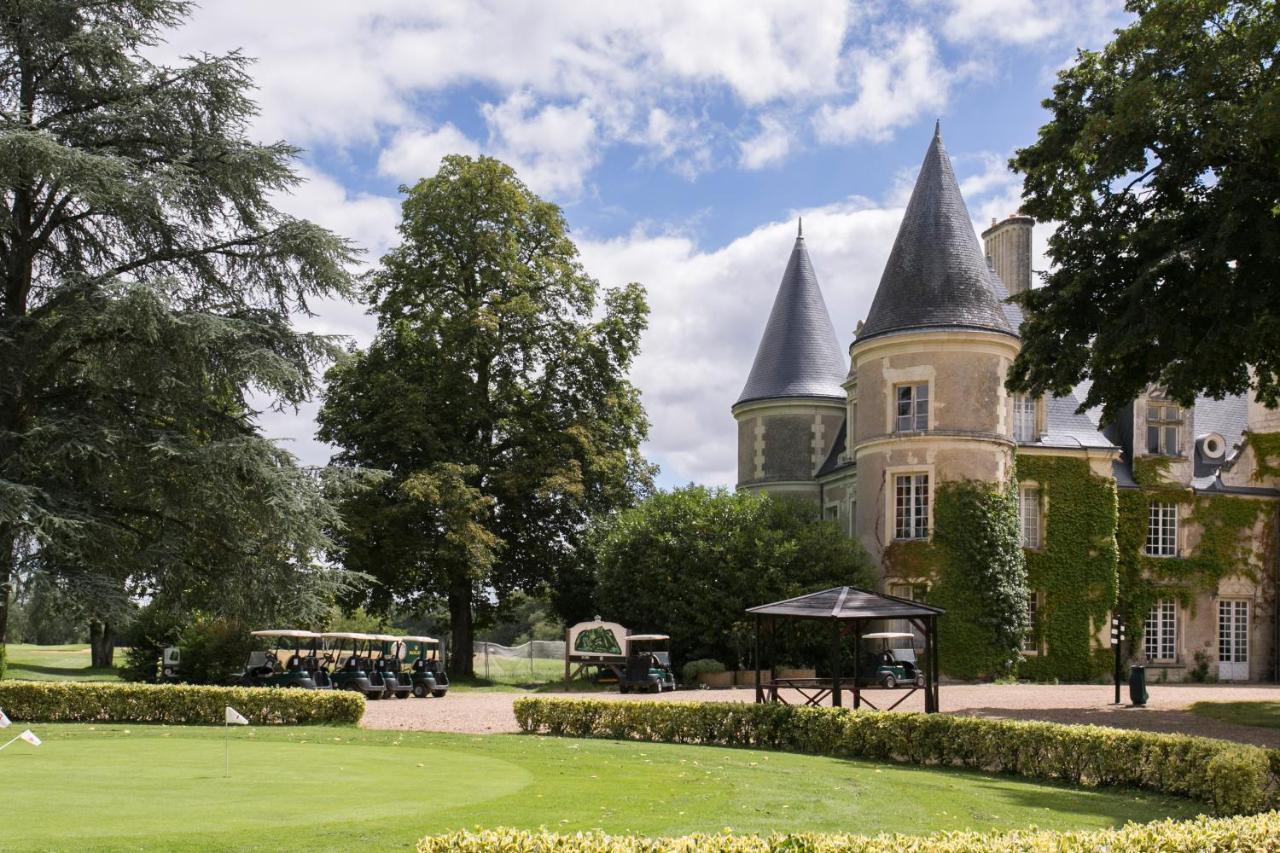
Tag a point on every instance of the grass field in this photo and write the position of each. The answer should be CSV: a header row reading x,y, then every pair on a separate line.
x,y
118,787
1263,714
56,663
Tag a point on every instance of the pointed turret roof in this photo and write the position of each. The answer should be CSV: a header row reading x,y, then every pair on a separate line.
x,y
798,355
936,277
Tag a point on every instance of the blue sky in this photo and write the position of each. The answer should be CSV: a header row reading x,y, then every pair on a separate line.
x,y
681,138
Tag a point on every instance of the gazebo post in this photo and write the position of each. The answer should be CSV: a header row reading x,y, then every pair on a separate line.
x,y
857,653
835,663
929,678
755,661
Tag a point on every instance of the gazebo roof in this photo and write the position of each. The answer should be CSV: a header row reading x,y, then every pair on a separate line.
x,y
846,602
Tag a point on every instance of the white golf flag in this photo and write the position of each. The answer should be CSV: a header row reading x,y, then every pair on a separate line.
x,y
235,718
30,737
4,721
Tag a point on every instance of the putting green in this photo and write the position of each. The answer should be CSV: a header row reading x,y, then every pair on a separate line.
x,y
118,787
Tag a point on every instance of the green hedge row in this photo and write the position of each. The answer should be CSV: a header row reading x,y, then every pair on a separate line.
x,y
1231,778
178,704
1257,832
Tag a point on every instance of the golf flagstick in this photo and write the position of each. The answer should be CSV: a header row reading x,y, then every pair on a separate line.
x,y
230,717
29,736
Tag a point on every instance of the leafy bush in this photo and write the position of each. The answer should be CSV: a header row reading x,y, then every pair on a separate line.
x,y
154,628
1257,832
1232,778
177,704
214,649
690,561
690,671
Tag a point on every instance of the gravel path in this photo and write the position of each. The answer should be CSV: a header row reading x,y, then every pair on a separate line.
x,y
484,713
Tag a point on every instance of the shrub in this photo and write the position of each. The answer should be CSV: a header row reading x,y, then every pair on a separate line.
x,y
1231,778
690,671
177,704
214,649
1257,832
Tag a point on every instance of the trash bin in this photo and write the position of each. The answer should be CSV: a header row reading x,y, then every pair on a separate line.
x,y
1138,685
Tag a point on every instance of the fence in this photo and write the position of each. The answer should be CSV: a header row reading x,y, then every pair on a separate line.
x,y
534,662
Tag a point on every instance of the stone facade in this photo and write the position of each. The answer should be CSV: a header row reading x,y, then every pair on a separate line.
x,y
924,402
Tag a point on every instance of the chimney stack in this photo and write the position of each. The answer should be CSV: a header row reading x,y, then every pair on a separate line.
x,y
1007,245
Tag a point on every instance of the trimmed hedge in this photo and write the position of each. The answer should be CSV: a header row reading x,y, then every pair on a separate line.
x,y
1257,832
178,704
1231,778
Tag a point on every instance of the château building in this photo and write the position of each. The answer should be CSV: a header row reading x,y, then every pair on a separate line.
x,y
1167,516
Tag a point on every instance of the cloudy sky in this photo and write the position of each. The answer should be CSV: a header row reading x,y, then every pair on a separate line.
x,y
682,139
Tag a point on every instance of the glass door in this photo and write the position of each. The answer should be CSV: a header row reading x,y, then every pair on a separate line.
x,y
1233,640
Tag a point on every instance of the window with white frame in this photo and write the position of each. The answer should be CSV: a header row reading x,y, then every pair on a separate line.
x,y
1029,515
1031,641
1160,635
911,506
913,408
1024,418
1164,429
1162,530
831,512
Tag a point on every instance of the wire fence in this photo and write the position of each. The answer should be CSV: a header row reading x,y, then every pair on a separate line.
x,y
534,662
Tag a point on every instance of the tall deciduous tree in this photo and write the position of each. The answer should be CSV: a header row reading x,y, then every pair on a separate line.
x,y
1160,166
146,285
494,397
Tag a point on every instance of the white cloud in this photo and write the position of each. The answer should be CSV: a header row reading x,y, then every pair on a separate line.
x,y
551,147
895,87
415,153
1024,22
769,147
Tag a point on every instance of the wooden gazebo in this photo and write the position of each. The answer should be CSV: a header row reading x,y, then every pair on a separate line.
x,y
849,611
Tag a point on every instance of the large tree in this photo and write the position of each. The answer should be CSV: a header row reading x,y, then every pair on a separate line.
x,y
691,561
146,288
1160,166
494,399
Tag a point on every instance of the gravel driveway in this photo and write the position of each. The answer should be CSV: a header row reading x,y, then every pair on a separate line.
x,y
484,713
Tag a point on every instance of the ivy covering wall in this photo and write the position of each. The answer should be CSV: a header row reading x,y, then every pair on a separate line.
x,y
1226,545
1074,570
978,575
1266,449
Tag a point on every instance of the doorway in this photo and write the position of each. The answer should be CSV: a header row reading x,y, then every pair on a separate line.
x,y
1233,640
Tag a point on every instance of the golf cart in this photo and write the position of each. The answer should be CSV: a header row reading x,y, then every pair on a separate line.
x,y
384,654
648,665
351,670
889,667
427,673
264,668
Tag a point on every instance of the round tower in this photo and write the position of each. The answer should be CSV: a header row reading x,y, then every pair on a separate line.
x,y
929,365
790,411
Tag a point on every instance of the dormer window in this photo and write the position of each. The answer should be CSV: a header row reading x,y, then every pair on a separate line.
x,y
1024,418
913,408
1164,429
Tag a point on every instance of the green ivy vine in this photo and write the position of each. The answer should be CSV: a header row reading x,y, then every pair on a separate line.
x,y
1074,570
1226,546
978,575
1266,450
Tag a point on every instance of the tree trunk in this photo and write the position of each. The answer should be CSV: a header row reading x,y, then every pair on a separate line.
x,y
8,556
102,644
461,631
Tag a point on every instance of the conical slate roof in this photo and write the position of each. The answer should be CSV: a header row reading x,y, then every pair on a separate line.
x,y
798,355
936,277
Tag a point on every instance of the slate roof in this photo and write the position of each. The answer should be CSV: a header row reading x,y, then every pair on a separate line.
x,y
1227,417
798,354
832,462
847,602
936,276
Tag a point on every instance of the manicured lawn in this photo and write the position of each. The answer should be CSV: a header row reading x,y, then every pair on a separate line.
x,y
56,663
1264,714
122,787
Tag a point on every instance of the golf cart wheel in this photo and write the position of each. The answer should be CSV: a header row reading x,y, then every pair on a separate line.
x,y
887,680
420,691
919,681
439,694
